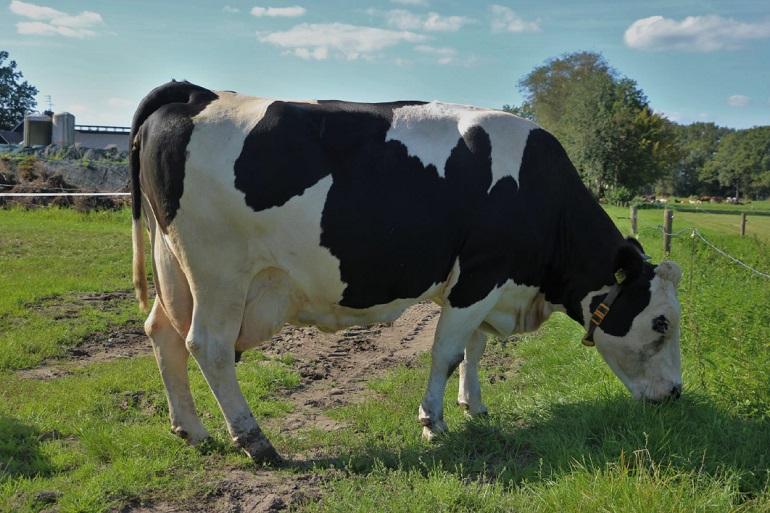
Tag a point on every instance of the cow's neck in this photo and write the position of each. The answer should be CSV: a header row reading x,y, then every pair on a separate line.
x,y
584,254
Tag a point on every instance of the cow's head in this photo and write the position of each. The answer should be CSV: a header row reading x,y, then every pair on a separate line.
x,y
639,336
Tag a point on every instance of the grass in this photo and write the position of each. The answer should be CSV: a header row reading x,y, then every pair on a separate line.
x,y
563,434
48,256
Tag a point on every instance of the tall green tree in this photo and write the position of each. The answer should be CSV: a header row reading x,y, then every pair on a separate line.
x,y
17,97
699,143
742,162
603,120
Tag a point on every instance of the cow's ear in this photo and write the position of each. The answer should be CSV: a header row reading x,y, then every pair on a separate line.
x,y
638,245
629,261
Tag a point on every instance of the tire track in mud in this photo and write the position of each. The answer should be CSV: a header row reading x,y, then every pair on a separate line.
x,y
335,367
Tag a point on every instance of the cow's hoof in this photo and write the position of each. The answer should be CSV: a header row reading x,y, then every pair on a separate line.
x,y
191,436
474,412
256,445
433,429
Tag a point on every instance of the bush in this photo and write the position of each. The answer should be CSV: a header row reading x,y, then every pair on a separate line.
x,y
620,196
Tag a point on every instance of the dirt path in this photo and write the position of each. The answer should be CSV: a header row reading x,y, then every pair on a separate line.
x,y
123,341
335,367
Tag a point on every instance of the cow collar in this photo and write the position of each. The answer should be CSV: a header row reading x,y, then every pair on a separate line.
x,y
603,308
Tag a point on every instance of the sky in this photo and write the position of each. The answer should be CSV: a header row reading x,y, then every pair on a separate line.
x,y
696,60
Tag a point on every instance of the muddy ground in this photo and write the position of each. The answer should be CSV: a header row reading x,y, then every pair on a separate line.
x,y
334,370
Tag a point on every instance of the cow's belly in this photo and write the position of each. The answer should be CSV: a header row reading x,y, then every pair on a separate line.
x,y
275,298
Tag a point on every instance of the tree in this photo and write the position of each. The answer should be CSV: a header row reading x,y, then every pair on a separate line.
x,y
698,143
603,120
16,97
742,162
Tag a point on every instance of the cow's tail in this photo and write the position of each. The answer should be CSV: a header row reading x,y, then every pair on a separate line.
x,y
137,233
170,92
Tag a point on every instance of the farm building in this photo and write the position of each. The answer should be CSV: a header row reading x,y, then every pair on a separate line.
x,y
60,128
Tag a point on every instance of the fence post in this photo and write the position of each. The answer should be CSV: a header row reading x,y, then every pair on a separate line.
x,y
668,221
743,224
634,219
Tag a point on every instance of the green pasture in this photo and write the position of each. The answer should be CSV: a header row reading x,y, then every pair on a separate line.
x,y
562,435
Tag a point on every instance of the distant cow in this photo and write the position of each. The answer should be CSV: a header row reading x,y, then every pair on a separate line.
x,y
332,214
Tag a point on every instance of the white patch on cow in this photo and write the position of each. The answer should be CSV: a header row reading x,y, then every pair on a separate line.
x,y
432,130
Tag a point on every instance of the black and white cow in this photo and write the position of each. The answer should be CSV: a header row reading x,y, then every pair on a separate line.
x,y
332,214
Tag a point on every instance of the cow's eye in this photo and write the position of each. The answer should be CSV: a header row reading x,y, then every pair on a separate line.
x,y
660,324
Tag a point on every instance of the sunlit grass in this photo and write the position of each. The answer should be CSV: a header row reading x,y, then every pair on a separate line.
x,y
562,435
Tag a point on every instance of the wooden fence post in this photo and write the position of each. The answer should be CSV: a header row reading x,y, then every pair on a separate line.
x,y
634,220
668,221
743,224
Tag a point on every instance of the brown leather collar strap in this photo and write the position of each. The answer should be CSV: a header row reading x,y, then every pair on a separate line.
x,y
600,313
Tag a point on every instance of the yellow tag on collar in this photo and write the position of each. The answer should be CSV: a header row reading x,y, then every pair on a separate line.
x,y
620,276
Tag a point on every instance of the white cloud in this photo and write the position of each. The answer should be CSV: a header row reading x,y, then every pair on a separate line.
x,y
445,55
504,19
51,22
738,100
432,22
278,12
693,33
322,40
230,9
437,23
35,12
404,20
418,3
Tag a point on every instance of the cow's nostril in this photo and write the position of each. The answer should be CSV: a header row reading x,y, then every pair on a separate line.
x,y
676,391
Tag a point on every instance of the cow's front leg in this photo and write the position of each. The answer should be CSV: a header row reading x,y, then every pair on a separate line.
x,y
213,346
469,393
171,355
454,331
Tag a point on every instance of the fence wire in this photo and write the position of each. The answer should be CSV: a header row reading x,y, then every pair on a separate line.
x,y
696,235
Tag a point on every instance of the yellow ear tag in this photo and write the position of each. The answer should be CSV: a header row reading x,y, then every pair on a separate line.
x,y
620,276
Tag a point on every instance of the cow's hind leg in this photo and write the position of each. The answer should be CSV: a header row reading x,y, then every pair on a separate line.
x,y
171,355
211,340
469,393
455,329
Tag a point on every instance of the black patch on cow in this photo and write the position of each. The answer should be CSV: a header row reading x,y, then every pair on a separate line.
x,y
634,297
238,355
660,324
456,361
164,123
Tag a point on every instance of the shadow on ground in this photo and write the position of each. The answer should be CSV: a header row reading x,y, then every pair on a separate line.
x,y
689,435
20,454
